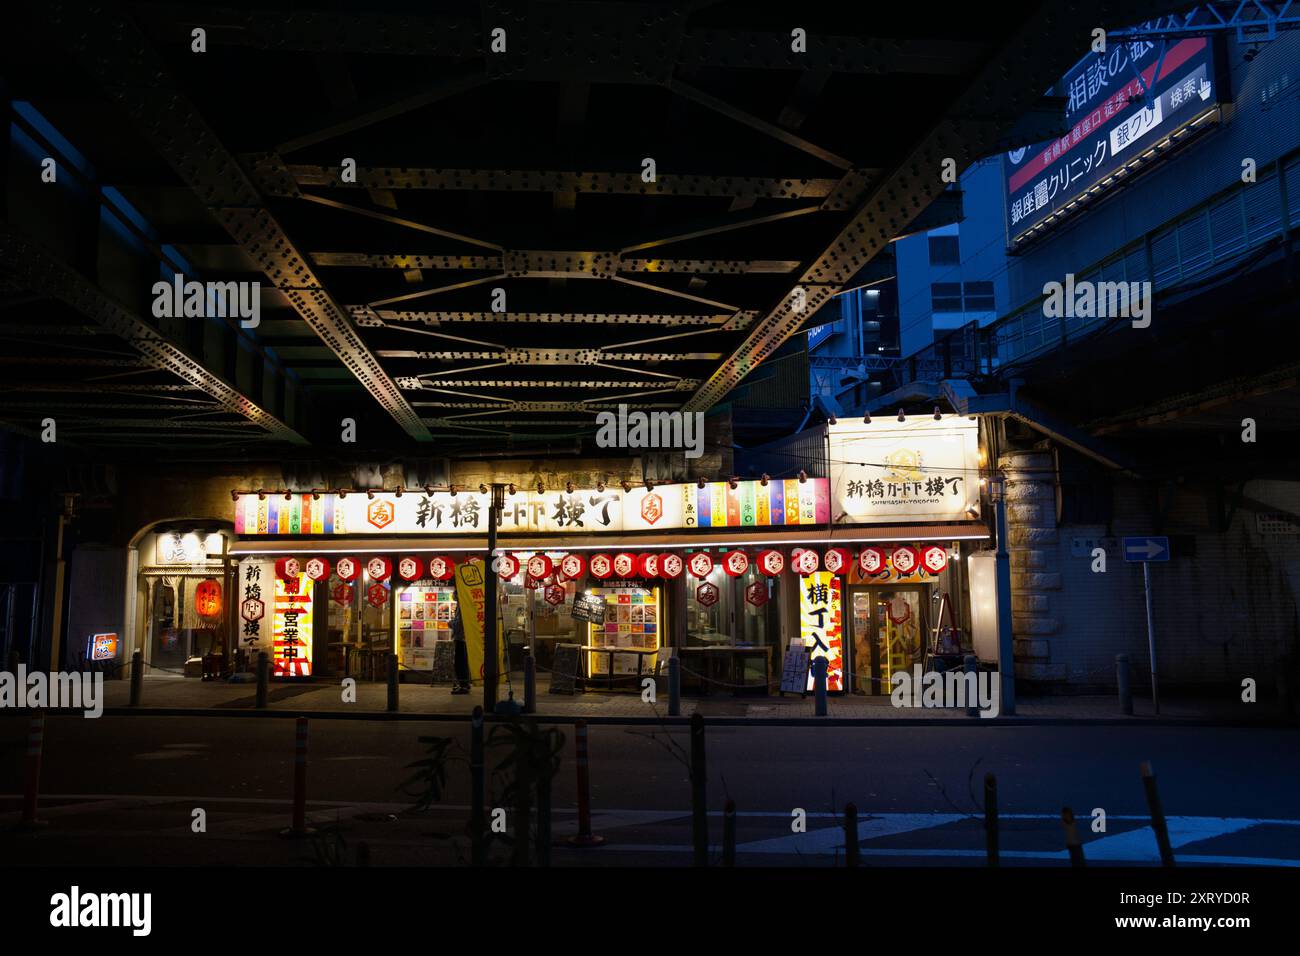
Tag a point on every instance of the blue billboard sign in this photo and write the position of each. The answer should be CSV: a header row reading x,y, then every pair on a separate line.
x,y
1111,125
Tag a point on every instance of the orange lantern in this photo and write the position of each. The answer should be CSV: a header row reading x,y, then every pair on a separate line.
x,y
207,598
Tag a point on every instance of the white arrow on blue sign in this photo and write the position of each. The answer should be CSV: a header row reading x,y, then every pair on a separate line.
x,y
1146,549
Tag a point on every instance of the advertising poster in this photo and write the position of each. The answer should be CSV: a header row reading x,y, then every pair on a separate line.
x,y
291,634
821,624
471,595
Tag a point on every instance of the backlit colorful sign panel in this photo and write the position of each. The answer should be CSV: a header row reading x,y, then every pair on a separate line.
x,y
291,630
665,507
821,624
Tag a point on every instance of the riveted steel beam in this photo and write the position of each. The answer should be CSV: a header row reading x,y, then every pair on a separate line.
x,y
545,356
532,180
39,271
113,50
546,263
365,316
426,382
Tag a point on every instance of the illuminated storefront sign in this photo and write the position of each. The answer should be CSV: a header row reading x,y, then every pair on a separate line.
x,y
820,624
291,633
918,470
779,503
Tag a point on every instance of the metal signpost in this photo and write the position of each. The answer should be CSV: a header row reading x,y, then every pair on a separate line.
x,y
1147,549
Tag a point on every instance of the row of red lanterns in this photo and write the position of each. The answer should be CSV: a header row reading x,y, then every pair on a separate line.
x,y
871,561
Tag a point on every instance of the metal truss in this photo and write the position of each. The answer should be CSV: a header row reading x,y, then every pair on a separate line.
x,y
506,355
112,49
40,272
538,263
1251,20
365,316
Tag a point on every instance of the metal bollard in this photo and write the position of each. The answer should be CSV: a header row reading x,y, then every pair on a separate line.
x,y
299,826
972,687
1072,837
699,803
852,851
1157,815
530,684
584,837
674,686
991,818
137,677
263,678
32,774
819,686
1122,682
477,812
392,682
729,834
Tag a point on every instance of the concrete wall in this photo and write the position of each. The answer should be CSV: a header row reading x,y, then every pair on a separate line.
x,y
1226,613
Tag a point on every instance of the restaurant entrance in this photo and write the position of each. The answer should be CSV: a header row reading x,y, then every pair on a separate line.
x,y
889,633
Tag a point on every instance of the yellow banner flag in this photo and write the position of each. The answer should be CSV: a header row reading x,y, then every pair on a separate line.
x,y
471,595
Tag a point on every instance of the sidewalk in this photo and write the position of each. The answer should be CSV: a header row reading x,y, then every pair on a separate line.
x,y
171,694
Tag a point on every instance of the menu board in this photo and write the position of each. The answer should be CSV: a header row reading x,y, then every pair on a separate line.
x,y
631,621
424,616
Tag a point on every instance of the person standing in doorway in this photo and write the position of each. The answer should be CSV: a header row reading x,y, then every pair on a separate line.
x,y
461,684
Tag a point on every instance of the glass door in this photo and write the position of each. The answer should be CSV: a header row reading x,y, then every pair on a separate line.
x,y
888,635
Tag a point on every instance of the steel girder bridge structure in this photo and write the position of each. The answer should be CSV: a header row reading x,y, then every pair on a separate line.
x,y
472,223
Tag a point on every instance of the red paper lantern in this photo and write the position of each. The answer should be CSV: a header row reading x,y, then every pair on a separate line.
x,y
207,598
837,560
934,558
288,569
379,568
410,568
601,566
441,568
700,563
771,563
507,566
573,566
872,561
647,565
539,566
624,564
735,563
904,559
804,560
348,569
671,566
318,569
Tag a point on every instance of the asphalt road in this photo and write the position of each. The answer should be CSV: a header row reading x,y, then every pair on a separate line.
x,y
125,790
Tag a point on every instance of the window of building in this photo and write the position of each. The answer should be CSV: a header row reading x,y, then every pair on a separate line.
x,y
945,297
979,297
944,251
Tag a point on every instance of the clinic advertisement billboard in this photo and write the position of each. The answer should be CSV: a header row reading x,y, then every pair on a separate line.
x,y
1110,125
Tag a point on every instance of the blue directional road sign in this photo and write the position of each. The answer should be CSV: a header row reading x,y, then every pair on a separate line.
x,y
1148,548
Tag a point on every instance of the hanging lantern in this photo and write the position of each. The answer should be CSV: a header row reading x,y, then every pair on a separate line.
x,y
348,569
539,566
601,566
837,560
735,563
804,561
671,566
288,569
341,594
707,594
207,598
507,566
771,563
318,569
872,561
410,568
700,563
904,559
441,568
934,558
572,567
647,565
379,568
624,564
377,595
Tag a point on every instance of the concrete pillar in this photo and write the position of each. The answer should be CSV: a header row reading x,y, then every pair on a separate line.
x,y
1035,563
